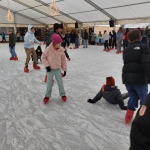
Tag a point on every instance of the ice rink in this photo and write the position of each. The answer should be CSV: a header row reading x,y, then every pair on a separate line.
x,y
27,124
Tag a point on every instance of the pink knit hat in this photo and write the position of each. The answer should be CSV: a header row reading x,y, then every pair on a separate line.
x,y
56,39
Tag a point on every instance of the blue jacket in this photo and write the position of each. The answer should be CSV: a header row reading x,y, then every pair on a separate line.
x,y
29,37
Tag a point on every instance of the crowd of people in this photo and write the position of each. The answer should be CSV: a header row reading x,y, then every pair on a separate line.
x,y
135,72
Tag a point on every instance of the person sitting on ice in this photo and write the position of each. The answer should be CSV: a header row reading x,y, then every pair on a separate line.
x,y
111,94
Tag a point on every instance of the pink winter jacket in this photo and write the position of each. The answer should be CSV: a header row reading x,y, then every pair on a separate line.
x,y
54,58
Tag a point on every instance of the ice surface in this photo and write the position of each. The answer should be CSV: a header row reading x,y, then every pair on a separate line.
x,y
27,124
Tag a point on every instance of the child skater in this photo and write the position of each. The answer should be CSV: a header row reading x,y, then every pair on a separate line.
x,y
111,94
38,53
12,43
53,59
65,43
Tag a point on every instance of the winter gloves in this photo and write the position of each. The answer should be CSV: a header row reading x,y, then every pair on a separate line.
x,y
90,101
48,69
63,75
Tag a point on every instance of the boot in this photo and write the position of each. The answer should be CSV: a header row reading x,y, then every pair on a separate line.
x,y
11,58
26,69
129,115
69,59
45,100
104,49
107,50
118,52
64,98
15,58
36,67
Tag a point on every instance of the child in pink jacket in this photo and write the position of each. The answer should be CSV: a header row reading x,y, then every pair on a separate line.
x,y
53,59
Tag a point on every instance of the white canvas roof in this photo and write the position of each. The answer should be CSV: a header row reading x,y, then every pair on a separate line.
x,y
82,11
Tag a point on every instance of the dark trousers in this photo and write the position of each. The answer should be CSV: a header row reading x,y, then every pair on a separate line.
x,y
136,92
125,44
93,43
3,39
18,39
67,55
106,44
110,42
114,43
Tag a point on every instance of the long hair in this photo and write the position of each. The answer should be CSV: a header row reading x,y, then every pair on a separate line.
x,y
120,30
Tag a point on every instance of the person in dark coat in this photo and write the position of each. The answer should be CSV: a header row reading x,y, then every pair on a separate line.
x,y
114,45
136,72
110,39
12,43
140,129
111,94
39,53
72,39
85,37
64,44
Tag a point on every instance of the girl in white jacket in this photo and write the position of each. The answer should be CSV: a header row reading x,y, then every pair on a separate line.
x,y
106,38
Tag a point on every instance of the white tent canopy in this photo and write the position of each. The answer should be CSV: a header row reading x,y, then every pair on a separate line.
x,y
138,25
82,11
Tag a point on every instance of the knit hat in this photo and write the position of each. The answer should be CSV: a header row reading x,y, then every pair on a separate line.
x,y
56,26
110,81
56,39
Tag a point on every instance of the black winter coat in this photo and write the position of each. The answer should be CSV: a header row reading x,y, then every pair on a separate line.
x,y
136,69
12,39
64,42
111,95
140,130
86,36
72,38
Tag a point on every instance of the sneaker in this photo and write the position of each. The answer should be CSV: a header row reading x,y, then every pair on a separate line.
x,y
36,67
26,69
129,116
64,98
45,100
118,52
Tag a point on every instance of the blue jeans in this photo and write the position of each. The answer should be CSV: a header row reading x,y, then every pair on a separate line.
x,y
12,51
99,41
76,42
136,92
85,43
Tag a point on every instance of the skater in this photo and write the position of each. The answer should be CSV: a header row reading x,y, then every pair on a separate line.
x,y
119,40
12,43
3,37
100,36
125,39
106,38
114,45
53,59
38,53
85,36
72,39
111,94
65,43
110,39
93,38
140,130
135,72
29,40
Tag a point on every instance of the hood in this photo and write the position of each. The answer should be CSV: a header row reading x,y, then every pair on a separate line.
x,y
29,28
